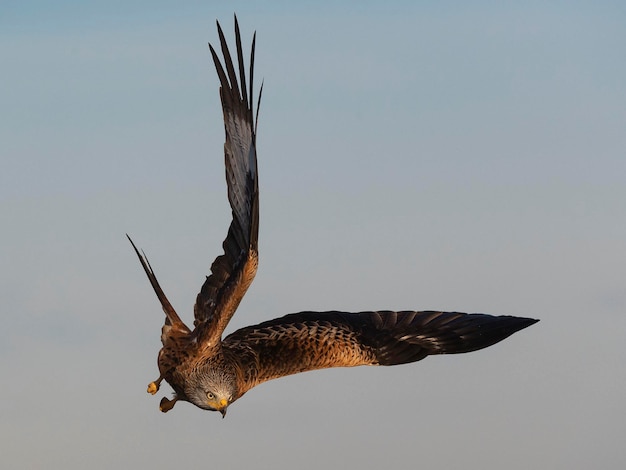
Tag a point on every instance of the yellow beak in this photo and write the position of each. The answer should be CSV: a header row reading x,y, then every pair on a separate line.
x,y
223,407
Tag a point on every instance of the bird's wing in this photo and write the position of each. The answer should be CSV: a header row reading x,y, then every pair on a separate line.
x,y
233,272
315,340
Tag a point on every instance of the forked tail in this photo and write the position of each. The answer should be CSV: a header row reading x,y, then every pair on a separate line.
x,y
170,313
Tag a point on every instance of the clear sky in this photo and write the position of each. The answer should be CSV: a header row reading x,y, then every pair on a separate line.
x,y
464,156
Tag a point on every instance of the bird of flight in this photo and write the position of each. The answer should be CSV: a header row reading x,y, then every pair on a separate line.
x,y
212,372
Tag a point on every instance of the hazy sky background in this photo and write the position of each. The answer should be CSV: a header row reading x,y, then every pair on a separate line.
x,y
418,155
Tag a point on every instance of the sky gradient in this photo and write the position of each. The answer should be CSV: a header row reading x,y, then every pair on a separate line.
x,y
420,155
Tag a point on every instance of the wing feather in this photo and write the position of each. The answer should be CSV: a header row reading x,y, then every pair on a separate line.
x,y
315,340
233,272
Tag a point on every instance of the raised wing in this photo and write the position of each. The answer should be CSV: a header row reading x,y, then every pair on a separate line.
x,y
233,272
315,340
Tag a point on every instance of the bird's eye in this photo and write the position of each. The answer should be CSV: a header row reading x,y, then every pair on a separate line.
x,y
210,396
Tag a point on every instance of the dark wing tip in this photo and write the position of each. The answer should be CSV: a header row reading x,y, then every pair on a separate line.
x,y
432,332
515,324
478,331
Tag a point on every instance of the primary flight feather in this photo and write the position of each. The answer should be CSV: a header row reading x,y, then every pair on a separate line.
x,y
212,372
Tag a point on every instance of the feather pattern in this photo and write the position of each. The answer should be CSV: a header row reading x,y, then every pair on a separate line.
x,y
233,272
316,340
211,373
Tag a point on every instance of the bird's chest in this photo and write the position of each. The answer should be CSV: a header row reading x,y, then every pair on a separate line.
x,y
177,354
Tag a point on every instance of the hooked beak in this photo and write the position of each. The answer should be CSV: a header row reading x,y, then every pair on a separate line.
x,y
224,405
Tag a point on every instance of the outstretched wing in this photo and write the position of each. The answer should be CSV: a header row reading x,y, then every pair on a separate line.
x,y
233,272
315,340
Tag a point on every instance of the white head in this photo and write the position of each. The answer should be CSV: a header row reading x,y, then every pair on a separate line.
x,y
212,389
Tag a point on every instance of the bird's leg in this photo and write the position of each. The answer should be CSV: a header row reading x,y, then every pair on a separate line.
x,y
153,387
166,404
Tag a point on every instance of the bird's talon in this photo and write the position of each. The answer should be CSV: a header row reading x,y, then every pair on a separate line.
x,y
153,387
166,404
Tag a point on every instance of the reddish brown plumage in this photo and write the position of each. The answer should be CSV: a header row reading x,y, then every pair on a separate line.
x,y
211,373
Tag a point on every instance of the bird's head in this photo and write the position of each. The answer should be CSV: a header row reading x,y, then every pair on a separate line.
x,y
212,389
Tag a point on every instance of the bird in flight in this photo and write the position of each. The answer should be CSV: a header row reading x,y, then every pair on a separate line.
x,y
213,372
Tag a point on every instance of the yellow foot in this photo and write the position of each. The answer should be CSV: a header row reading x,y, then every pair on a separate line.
x,y
166,404
153,387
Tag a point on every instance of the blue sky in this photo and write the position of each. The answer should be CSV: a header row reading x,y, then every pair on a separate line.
x,y
416,155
